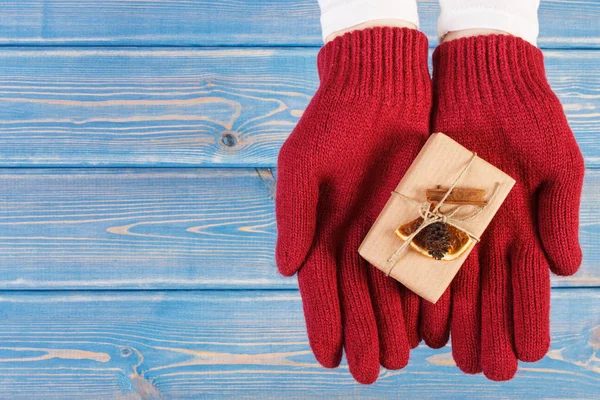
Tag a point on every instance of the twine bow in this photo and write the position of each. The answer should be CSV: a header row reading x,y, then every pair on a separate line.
x,y
432,216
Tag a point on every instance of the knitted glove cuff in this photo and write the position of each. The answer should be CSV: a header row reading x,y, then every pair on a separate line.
x,y
385,62
489,70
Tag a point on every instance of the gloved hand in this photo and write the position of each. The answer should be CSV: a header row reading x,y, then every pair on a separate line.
x,y
491,95
361,131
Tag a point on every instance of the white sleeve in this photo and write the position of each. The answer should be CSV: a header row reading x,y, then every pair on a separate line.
x,y
337,15
517,17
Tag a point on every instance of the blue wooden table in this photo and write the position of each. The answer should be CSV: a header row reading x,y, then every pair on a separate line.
x,y
138,141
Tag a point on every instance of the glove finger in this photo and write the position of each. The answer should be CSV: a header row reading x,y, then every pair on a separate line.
x,y
498,359
558,224
387,305
435,321
360,328
465,324
295,210
531,299
411,305
320,298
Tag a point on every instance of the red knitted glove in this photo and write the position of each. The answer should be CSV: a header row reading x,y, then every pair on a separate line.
x,y
492,96
359,134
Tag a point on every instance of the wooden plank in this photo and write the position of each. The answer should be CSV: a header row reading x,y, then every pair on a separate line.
x,y
246,344
159,107
166,229
194,107
233,22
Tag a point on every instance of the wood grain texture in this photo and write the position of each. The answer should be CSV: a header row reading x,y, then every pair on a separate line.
x,y
166,229
233,22
194,107
159,107
183,228
250,345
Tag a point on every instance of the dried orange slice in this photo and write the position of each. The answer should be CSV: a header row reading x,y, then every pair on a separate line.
x,y
444,243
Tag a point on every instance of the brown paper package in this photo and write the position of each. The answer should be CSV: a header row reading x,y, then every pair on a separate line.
x,y
439,163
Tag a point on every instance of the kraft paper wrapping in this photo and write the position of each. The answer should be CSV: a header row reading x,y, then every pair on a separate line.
x,y
439,162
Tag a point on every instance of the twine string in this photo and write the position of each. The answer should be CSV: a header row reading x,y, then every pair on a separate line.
x,y
432,216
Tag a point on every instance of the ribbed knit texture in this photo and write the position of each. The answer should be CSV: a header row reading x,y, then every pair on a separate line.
x,y
359,134
492,96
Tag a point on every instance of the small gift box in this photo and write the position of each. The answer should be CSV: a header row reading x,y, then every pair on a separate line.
x,y
435,215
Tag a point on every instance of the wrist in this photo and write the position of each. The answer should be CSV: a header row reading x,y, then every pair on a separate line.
x,y
464,33
345,15
392,23
515,17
